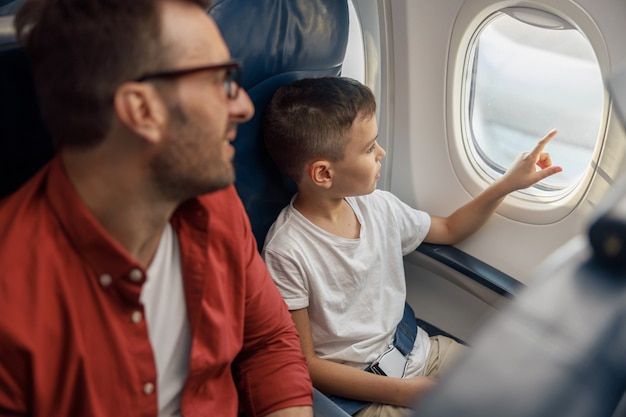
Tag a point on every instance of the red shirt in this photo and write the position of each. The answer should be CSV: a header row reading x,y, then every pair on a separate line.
x,y
73,341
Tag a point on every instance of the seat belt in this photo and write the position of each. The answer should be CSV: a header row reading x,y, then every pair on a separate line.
x,y
403,340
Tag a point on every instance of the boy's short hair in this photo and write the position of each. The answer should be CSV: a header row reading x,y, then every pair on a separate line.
x,y
309,118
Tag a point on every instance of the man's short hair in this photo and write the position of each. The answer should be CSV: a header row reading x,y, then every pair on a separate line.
x,y
309,119
81,51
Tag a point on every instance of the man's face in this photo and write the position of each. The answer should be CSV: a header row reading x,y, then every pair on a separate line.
x,y
196,154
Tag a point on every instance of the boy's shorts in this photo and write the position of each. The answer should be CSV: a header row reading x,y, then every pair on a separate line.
x,y
443,353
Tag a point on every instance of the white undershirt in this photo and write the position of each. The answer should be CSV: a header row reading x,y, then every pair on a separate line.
x,y
168,327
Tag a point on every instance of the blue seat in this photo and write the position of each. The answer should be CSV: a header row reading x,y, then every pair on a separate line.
x,y
25,145
9,7
278,41
324,407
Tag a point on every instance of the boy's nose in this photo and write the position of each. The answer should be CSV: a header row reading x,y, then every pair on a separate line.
x,y
381,152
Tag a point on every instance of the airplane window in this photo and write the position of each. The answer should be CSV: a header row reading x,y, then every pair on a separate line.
x,y
528,72
354,61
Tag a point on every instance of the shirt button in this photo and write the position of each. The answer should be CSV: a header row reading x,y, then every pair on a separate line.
x,y
136,317
135,275
148,388
105,280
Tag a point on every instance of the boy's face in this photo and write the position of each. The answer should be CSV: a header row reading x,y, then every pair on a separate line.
x,y
358,172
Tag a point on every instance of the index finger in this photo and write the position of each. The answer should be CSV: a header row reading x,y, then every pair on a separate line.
x,y
542,143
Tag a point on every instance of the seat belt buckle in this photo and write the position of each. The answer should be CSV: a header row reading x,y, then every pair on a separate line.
x,y
391,363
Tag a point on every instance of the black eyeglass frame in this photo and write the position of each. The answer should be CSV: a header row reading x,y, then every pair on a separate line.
x,y
232,67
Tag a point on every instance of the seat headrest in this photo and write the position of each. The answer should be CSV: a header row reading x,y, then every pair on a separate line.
x,y
278,41
273,37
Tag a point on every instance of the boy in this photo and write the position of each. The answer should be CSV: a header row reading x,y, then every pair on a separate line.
x,y
336,252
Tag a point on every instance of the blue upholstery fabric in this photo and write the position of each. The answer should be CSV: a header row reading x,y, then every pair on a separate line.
x,y
278,41
324,407
9,7
25,145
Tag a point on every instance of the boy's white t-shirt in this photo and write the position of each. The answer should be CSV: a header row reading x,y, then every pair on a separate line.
x,y
354,289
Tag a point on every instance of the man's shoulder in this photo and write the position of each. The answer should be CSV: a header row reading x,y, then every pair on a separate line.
x,y
24,213
224,203
217,198
28,238
227,218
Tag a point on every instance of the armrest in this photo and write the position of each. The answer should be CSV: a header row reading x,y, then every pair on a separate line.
x,y
473,268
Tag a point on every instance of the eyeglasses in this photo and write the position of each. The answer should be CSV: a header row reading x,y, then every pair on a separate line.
x,y
231,82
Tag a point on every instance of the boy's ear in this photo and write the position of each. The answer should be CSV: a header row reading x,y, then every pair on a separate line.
x,y
141,110
321,173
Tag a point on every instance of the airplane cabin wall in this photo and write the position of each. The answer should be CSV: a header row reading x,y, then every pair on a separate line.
x,y
419,164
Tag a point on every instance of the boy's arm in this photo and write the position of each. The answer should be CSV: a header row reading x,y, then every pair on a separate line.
x,y
473,215
345,381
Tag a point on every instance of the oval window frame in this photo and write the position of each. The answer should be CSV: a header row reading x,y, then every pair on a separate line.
x,y
533,208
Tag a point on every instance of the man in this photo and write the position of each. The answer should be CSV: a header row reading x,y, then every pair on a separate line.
x,y
131,284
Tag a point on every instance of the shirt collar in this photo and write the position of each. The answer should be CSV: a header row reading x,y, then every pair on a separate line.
x,y
94,244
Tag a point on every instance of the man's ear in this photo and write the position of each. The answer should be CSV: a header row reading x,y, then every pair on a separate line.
x,y
141,109
320,173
